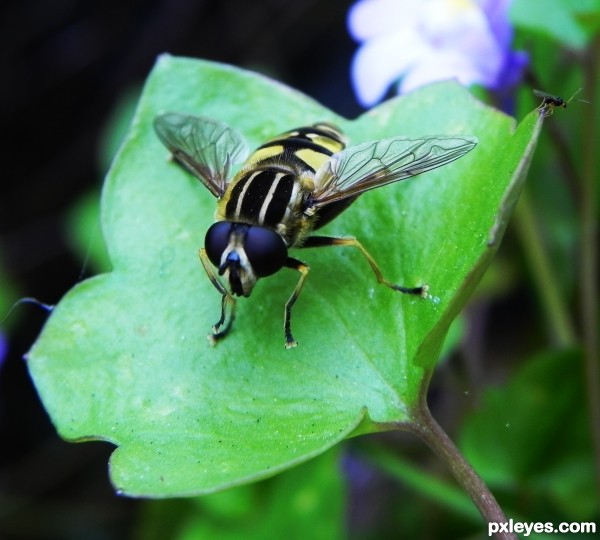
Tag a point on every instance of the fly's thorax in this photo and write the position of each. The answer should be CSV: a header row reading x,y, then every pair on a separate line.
x,y
271,196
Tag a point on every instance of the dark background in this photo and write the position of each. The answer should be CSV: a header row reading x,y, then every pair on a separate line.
x,y
66,65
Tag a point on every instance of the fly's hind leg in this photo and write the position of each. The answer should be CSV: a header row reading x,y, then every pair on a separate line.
x,y
219,331
328,241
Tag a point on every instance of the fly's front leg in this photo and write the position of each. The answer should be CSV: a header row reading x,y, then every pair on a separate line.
x,y
327,241
226,298
294,264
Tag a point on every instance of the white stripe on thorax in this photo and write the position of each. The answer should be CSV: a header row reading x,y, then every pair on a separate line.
x,y
269,198
238,206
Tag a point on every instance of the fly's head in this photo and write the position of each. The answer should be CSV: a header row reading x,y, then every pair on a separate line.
x,y
244,253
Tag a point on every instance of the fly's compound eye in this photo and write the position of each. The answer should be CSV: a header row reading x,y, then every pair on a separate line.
x,y
265,250
216,241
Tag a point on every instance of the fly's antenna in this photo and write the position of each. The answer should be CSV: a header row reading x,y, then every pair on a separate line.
x,y
579,100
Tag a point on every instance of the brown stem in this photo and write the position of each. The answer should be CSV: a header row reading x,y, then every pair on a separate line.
x,y
435,437
589,254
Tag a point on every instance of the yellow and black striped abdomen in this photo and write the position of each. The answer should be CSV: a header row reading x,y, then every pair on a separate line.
x,y
308,147
276,180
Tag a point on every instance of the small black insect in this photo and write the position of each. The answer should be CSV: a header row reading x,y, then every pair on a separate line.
x,y
549,102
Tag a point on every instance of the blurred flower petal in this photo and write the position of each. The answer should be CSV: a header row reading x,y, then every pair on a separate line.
x,y
3,348
512,70
440,68
365,20
416,42
376,64
496,12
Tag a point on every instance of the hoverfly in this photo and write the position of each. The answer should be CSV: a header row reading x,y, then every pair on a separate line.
x,y
291,185
549,101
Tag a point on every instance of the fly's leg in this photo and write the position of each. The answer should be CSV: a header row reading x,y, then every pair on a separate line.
x,y
294,264
226,298
328,241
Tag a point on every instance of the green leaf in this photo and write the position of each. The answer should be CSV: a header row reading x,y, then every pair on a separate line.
x,y
305,502
570,22
540,446
124,356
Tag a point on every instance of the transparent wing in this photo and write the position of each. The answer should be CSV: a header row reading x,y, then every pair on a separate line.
x,y
205,147
373,164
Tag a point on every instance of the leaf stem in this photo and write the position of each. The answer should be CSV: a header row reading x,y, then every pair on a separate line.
x,y
425,426
589,253
560,326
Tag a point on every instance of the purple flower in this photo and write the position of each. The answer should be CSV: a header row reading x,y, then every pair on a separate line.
x,y
3,348
415,42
